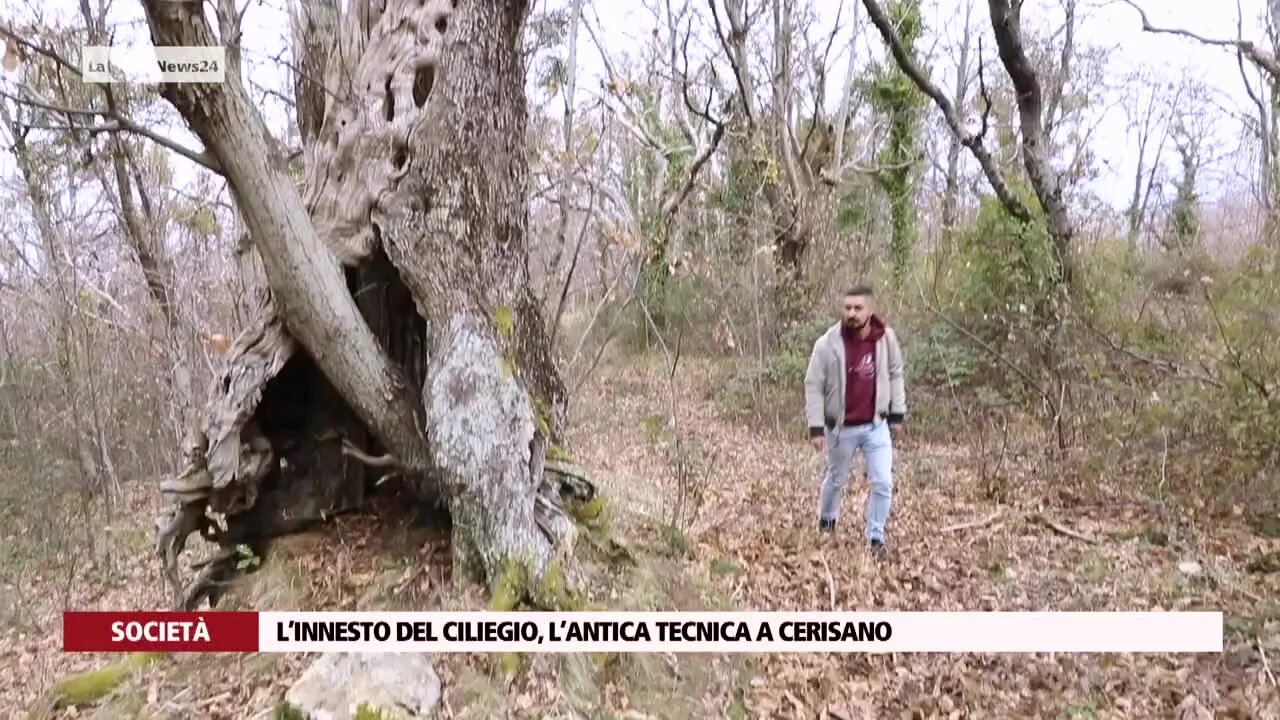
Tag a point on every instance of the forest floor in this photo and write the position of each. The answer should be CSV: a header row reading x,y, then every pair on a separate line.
x,y
752,546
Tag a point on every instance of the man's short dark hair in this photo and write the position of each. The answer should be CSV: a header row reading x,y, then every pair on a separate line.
x,y
860,290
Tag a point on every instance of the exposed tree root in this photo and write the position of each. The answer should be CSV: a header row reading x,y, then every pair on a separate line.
x,y
215,575
564,494
381,461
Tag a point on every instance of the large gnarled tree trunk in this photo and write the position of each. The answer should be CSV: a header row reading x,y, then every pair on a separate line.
x,y
399,300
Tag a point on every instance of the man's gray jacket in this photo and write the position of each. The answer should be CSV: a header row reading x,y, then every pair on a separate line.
x,y
824,382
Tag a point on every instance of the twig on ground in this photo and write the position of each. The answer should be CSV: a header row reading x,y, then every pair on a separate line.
x,y
1254,597
1266,666
975,524
795,702
175,702
1059,528
831,582
213,700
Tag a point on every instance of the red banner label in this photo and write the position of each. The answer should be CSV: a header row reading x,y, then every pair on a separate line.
x,y
160,631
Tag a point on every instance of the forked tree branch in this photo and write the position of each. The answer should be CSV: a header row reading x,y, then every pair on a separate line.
x,y
1006,25
973,142
675,199
733,43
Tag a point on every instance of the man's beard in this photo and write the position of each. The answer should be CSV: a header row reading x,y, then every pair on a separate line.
x,y
853,324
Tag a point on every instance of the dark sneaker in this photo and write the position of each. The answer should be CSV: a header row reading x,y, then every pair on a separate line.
x,y
878,550
826,526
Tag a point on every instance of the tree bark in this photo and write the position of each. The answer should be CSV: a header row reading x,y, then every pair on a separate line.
x,y
456,230
314,26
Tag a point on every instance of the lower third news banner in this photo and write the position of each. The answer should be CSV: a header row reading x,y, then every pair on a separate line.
x,y
641,632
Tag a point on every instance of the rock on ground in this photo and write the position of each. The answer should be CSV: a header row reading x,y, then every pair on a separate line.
x,y
401,685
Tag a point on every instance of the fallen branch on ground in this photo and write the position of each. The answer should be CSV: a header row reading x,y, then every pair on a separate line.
x,y
1059,528
1266,666
1035,518
973,525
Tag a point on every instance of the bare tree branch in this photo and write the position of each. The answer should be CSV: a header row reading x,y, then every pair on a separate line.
x,y
973,142
1058,87
121,123
9,34
830,173
674,200
1263,59
573,266
626,115
820,68
734,45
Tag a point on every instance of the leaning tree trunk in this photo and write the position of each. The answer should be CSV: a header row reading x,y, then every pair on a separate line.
x,y
416,183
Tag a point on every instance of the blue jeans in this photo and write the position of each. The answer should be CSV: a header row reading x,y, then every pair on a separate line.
x,y
877,448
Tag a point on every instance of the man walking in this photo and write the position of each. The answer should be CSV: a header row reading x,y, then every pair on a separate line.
x,y
853,392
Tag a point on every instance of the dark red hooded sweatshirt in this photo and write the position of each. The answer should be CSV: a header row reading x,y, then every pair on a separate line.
x,y
860,372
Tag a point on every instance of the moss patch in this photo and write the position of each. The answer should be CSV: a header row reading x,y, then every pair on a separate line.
x,y
587,512
515,586
679,687
594,519
285,711
475,696
89,687
281,582
721,567
542,415
657,686
367,712
509,663
554,592
555,453
504,320
510,587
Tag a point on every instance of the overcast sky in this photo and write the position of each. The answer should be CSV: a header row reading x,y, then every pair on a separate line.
x,y
1105,23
